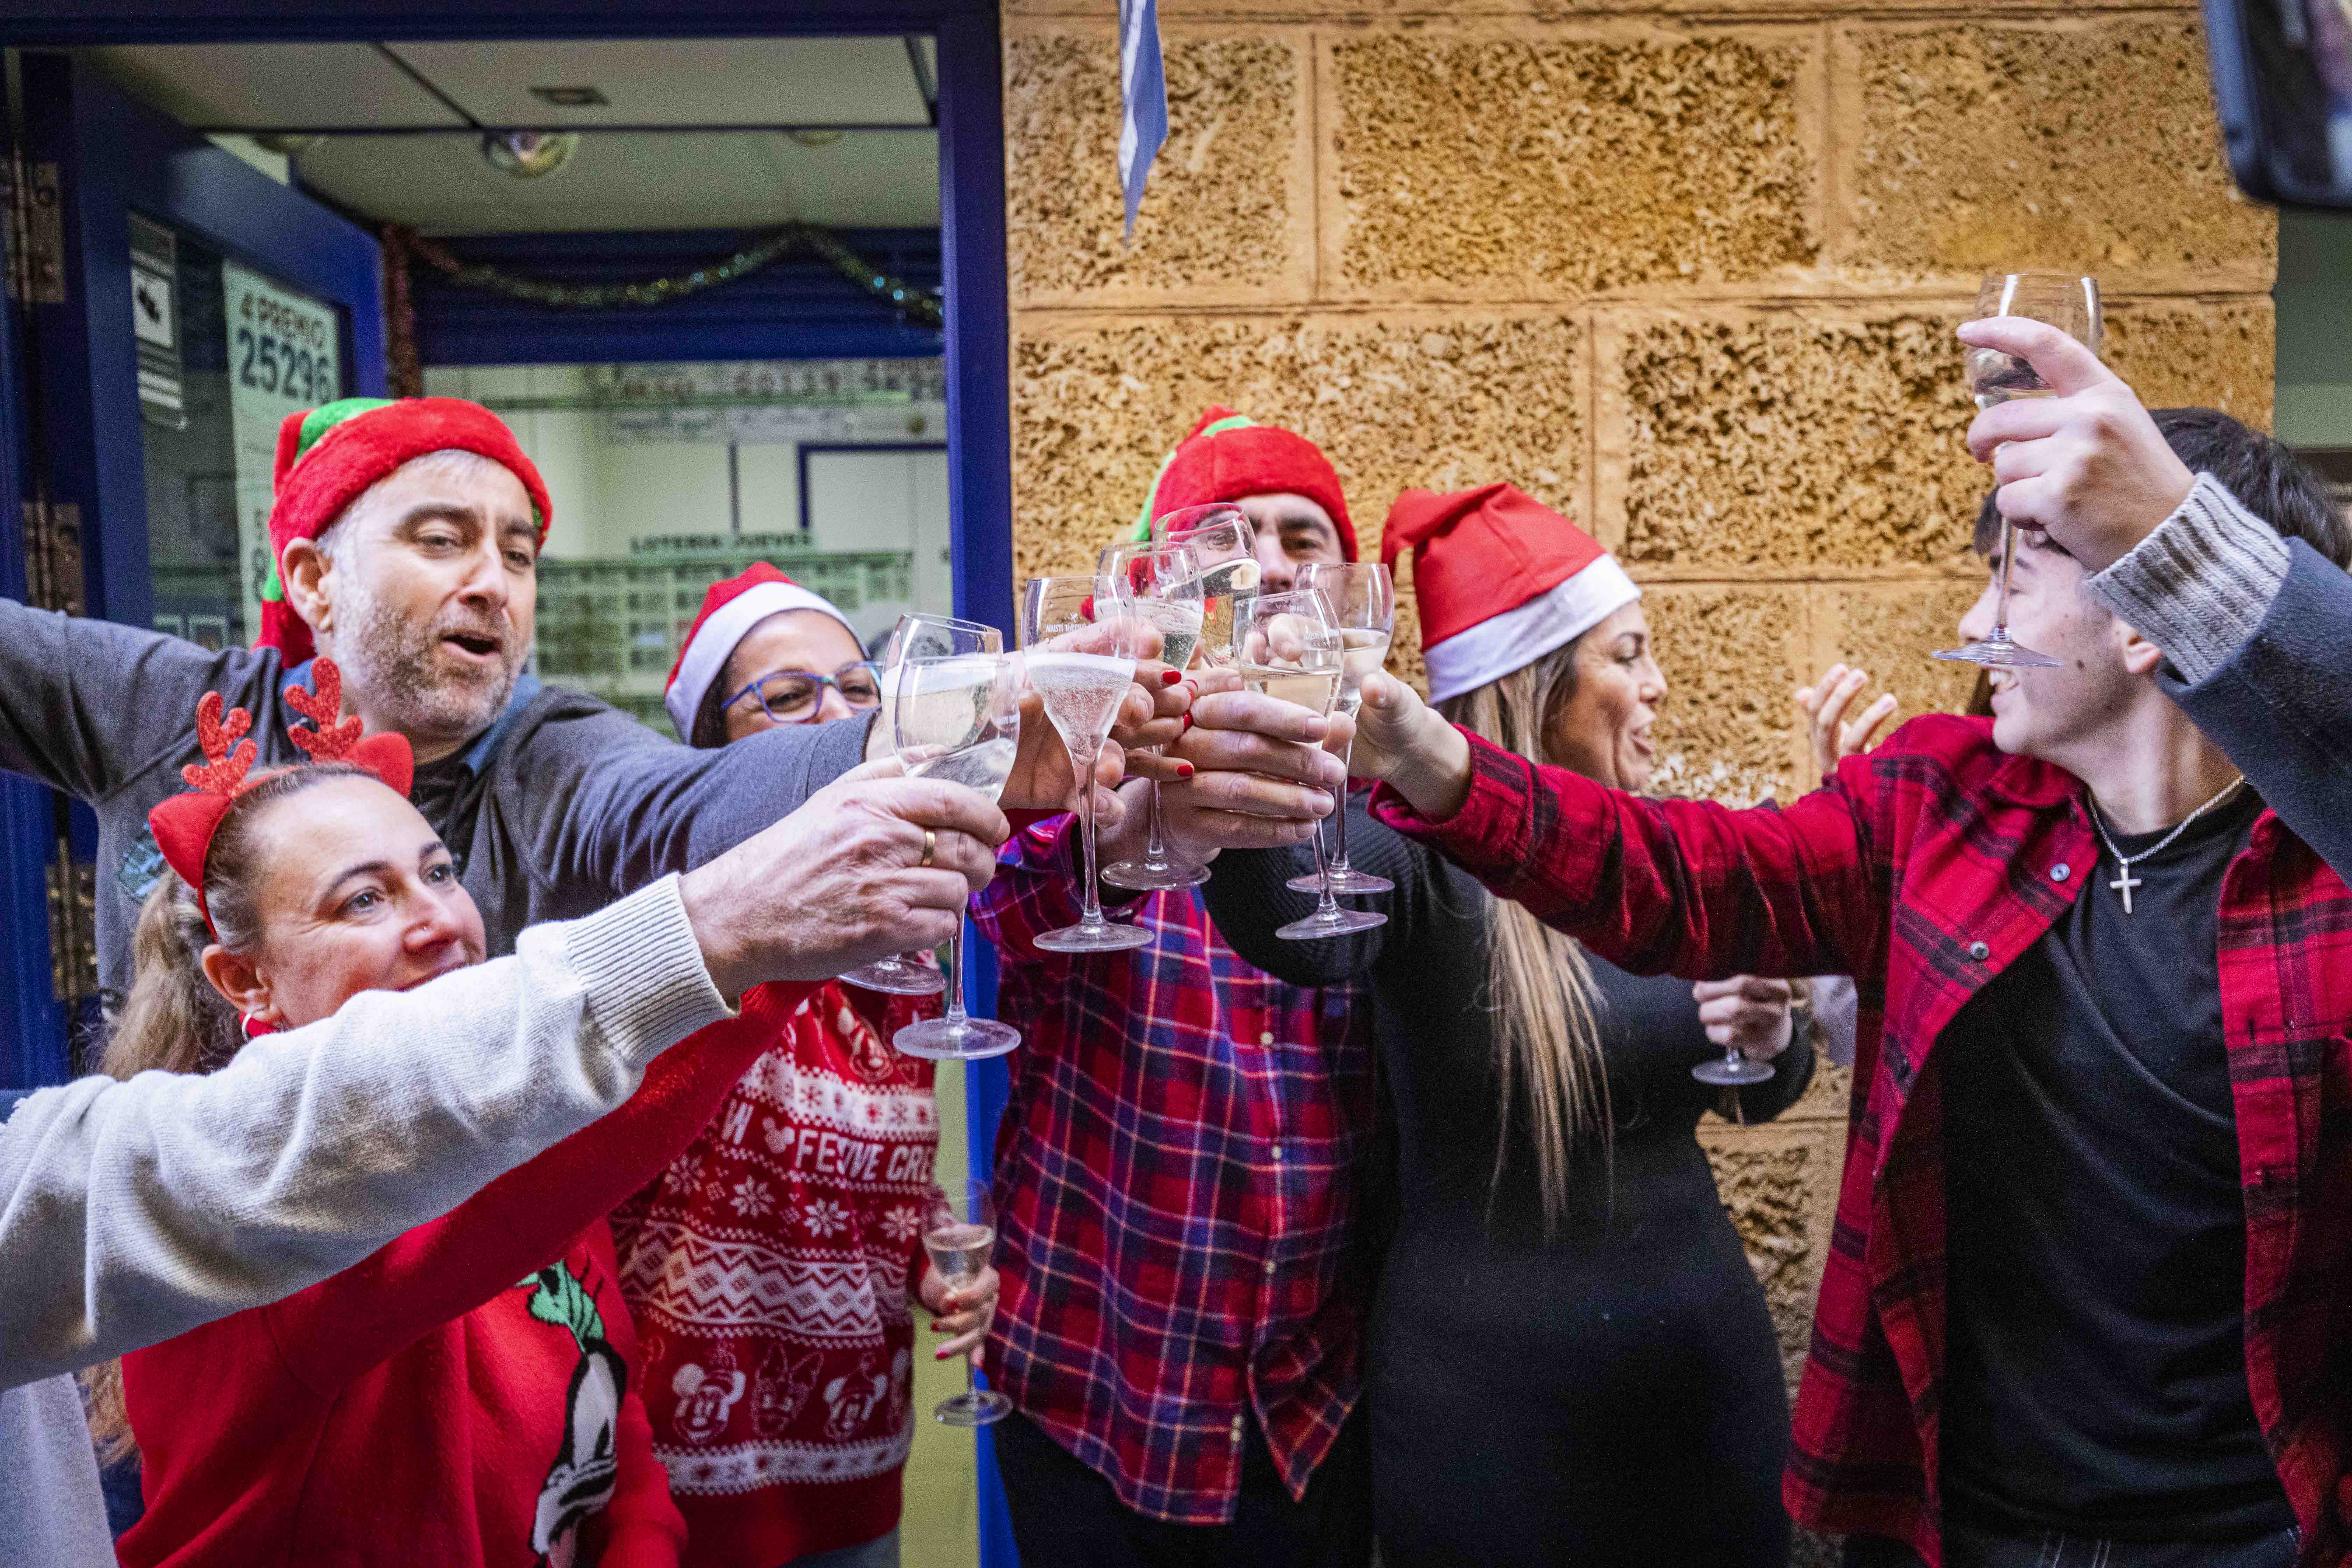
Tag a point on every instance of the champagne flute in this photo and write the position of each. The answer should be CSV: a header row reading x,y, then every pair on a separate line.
x,y
1080,639
1222,540
1363,601
1163,580
2070,302
1733,1069
1290,649
917,637
958,718
960,1232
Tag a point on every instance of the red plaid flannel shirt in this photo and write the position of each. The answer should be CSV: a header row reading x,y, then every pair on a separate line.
x,y
1923,869
1178,1179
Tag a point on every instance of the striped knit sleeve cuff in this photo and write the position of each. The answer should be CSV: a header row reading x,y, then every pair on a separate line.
x,y
2199,585
642,972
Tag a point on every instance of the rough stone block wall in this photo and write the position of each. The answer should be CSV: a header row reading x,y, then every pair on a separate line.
x,y
1686,270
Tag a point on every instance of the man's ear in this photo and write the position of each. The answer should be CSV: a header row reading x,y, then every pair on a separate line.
x,y
310,581
2140,656
238,980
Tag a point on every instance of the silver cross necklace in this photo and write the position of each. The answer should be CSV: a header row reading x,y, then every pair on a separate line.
x,y
2125,881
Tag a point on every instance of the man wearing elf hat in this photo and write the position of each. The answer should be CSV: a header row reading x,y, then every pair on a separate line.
x,y
404,538
1185,1355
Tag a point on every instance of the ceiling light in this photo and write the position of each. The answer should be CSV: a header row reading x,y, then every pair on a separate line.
x,y
572,97
528,155
814,138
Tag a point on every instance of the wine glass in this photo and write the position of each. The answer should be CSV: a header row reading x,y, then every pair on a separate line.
x,y
1164,581
2070,302
1080,638
1290,649
960,1232
958,719
1223,541
917,637
1363,601
1734,1069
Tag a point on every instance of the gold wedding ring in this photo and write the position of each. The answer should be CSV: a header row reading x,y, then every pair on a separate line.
x,y
930,847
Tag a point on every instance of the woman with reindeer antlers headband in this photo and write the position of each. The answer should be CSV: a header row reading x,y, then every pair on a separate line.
x,y
133,1211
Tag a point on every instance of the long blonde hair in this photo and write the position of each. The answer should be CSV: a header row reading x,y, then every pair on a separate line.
x,y
1540,990
173,1021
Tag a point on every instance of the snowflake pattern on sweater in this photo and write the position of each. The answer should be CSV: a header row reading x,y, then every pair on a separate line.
x,y
769,1270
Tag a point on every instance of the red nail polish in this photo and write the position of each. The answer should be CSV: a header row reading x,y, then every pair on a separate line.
x,y
1170,677
1184,770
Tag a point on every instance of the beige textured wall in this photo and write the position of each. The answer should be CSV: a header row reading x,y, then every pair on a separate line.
x,y
1686,271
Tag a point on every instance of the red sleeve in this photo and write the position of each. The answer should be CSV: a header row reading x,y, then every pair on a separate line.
x,y
1669,887
1035,890
643,1528
339,1328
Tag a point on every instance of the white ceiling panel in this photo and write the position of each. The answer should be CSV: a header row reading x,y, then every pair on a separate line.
x,y
637,181
297,86
687,81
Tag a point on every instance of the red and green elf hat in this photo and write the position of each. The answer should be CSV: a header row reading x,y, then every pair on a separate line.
x,y
1228,455
329,456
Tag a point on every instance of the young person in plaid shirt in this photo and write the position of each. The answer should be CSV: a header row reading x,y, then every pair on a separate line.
x,y
2081,1302
1181,1171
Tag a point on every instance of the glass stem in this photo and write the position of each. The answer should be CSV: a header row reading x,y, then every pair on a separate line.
x,y
1155,850
955,1013
1326,908
1340,813
2008,560
1089,898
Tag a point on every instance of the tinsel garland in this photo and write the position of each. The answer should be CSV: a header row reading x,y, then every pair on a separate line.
x,y
920,305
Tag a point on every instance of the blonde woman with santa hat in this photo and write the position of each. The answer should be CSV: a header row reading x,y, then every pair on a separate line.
x,y
1570,1358
768,1269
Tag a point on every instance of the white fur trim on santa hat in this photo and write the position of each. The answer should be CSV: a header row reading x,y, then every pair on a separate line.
x,y
1501,644
706,652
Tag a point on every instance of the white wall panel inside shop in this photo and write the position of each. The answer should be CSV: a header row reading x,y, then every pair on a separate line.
x,y
667,478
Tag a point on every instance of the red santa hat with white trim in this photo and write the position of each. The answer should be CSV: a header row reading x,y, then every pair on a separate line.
x,y
730,610
1500,580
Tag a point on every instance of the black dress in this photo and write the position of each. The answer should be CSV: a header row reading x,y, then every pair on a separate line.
x,y
1611,1395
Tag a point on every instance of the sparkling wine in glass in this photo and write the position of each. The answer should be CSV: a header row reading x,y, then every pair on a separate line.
x,y
917,637
1289,648
958,718
960,1234
1080,638
1222,541
1163,582
1363,601
2070,302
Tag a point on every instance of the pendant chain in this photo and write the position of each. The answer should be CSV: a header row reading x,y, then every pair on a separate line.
x,y
2125,881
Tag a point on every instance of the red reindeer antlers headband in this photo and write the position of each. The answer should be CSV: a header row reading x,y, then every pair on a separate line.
x,y
183,826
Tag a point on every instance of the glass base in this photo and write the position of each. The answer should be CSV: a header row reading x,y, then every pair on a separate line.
x,y
1732,1075
1348,881
2000,652
977,1408
898,977
1335,922
1102,938
1143,877
949,1039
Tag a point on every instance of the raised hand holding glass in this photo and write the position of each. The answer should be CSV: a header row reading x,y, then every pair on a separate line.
x,y
1163,582
1362,597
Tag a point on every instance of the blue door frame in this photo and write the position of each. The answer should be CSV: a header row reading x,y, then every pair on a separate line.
x,y
979,341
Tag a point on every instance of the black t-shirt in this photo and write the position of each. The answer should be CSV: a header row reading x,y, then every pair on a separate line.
x,y
2095,1373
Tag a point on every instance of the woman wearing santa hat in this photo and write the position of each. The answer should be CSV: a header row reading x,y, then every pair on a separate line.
x,y
768,1268
1571,1359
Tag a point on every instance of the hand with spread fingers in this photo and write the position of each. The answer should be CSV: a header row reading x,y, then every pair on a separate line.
x,y
2088,466
1748,1012
869,865
1833,736
1244,773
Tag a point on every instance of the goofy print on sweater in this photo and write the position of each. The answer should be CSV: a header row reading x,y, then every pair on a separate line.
x,y
770,1270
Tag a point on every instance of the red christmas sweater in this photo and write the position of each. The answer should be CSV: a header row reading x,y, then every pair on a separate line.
x,y
464,1398
769,1270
